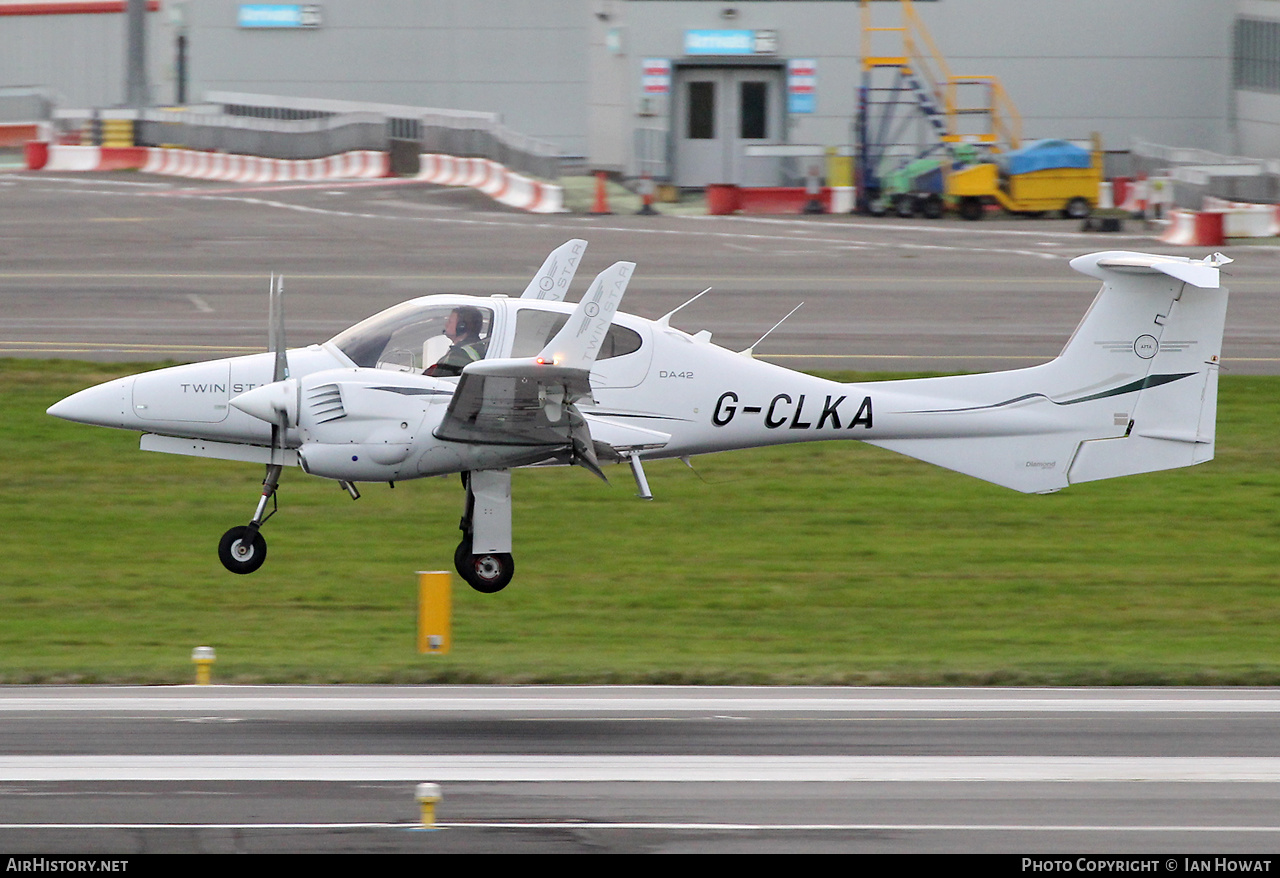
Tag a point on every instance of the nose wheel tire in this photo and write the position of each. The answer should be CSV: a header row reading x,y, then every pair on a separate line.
x,y
486,573
239,555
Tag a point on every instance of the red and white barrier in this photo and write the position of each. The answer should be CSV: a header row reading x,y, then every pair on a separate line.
x,y
1136,196
1194,228
1105,199
61,157
218,166
1243,219
495,180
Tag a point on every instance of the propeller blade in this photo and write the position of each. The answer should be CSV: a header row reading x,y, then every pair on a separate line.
x,y
275,333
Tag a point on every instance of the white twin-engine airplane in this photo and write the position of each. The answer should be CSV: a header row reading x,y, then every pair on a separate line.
x,y
533,380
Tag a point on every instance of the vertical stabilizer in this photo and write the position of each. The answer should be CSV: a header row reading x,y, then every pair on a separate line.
x,y
1133,391
1172,417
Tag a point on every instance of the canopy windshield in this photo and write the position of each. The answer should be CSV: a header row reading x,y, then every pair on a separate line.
x,y
407,338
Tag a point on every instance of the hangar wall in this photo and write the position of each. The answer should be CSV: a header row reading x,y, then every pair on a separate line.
x,y
1158,70
570,71
523,59
79,57
1256,98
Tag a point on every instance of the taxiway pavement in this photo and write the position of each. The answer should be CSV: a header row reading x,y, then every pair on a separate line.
x,y
126,266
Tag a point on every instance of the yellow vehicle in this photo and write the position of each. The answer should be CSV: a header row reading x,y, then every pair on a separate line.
x,y
1048,175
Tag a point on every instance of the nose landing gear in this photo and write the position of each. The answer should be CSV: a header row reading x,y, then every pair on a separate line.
x,y
243,549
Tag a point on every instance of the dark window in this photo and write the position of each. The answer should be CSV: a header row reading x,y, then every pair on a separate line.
x,y
535,328
1257,55
754,97
619,342
702,110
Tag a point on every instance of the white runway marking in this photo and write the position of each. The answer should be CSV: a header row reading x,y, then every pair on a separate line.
x,y
647,768
648,701
718,827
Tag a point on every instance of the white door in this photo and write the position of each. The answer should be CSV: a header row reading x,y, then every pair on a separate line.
x,y
720,110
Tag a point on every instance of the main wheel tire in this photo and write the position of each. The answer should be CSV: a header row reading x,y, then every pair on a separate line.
x,y
487,573
931,206
236,556
971,207
904,206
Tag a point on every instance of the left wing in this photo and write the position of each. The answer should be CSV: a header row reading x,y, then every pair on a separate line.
x,y
530,401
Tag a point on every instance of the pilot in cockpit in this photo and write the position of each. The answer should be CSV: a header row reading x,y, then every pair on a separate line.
x,y
463,330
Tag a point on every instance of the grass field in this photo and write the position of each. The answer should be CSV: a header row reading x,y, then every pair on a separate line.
x,y
828,563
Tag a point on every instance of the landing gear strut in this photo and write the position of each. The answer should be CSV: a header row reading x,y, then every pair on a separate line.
x,y
242,549
483,558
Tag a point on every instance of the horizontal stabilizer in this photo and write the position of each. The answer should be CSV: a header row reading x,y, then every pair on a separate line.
x,y
1202,273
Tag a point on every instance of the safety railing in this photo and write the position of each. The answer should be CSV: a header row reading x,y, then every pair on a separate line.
x,y
997,120
461,133
306,128
1197,174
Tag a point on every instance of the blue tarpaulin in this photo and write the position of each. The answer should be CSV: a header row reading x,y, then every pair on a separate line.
x,y
1044,155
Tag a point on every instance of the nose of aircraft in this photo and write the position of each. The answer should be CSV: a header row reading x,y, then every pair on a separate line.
x,y
106,405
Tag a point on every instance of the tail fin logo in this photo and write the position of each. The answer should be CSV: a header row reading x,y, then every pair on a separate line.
x,y
1146,346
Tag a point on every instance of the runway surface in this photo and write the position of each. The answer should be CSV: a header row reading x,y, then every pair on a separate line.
x,y
640,769
130,267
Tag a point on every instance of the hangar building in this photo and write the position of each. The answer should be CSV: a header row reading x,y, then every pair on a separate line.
x,y
682,87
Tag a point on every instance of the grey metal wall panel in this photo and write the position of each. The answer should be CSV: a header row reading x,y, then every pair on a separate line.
x,y
1143,63
522,59
1156,69
80,57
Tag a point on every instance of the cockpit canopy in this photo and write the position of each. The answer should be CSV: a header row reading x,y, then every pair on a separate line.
x,y
409,337
406,338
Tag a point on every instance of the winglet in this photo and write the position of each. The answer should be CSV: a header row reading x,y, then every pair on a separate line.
x,y
557,271
577,344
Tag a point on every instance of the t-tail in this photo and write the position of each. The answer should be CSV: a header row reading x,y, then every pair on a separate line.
x,y
1134,390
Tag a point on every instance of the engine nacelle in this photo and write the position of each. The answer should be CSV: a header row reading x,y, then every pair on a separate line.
x,y
364,425
356,462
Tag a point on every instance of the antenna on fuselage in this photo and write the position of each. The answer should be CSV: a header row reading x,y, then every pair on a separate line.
x,y
750,352
665,319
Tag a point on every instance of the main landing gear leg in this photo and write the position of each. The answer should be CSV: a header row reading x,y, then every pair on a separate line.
x,y
483,558
243,549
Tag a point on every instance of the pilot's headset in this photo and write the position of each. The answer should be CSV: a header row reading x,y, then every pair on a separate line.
x,y
468,322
